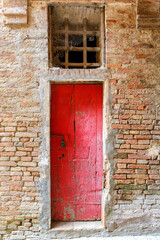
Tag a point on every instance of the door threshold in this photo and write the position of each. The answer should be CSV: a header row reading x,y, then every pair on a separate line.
x,y
78,225
68,230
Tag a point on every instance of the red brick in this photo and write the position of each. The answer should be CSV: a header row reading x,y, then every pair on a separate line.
x,y
121,176
6,144
125,146
141,56
21,153
137,176
121,126
24,139
138,166
139,146
125,171
120,136
140,182
127,181
10,129
125,160
124,116
24,149
143,142
143,136
26,159
131,141
154,162
31,144
140,107
27,179
121,166
154,177
140,127
126,151
21,129
33,169
138,156
153,172
15,188
128,136
119,96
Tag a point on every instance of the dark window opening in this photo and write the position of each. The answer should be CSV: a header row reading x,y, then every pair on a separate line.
x,y
92,41
76,40
75,36
75,57
59,56
58,40
91,57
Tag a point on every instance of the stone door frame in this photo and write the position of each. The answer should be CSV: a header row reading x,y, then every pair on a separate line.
x,y
44,161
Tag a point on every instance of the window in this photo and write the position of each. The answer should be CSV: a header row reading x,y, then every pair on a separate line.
x,y
75,36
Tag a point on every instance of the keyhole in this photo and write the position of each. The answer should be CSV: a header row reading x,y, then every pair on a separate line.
x,y
62,144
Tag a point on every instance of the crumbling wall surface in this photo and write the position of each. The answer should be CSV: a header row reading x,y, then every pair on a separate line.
x,y
22,61
133,59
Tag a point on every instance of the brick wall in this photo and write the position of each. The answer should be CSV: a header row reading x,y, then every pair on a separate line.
x,y
133,60
133,64
20,127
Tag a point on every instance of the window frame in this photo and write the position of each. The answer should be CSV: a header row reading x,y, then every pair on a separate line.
x,y
101,63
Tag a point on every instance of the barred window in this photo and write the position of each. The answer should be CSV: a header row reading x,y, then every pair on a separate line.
x,y
75,36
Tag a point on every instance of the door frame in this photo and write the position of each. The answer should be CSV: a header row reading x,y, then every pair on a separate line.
x,y
44,163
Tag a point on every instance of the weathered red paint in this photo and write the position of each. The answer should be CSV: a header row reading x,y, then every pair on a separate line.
x,y
76,168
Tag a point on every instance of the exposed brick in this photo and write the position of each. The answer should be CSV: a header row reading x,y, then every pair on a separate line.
x,y
137,176
143,136
6,144
138,146
120,176
25,134
137,166
143,142
24,139
125,160
128,136
121,171
121,126
26,159
133,118
10,129
138,156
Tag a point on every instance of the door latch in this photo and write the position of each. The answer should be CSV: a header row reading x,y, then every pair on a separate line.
x,y
62,143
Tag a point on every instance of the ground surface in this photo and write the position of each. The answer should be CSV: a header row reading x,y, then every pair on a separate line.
x,y
120,238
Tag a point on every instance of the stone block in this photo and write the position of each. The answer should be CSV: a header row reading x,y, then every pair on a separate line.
x,y
15,11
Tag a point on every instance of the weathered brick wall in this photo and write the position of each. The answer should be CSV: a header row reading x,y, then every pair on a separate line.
x,y
133,58
21,63
133,62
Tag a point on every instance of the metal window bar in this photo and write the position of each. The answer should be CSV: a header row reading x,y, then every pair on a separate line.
x,y
84,43
66,43
67,48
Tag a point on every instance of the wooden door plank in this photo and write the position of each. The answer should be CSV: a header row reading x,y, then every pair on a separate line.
x,y
86,150
99,163
62,124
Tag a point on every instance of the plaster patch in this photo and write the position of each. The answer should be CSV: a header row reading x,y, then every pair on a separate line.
x,y
154,151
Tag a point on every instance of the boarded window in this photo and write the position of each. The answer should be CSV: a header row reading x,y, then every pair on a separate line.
x,y
75,36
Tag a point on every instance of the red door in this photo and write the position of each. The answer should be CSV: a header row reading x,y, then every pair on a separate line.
x,y
76,152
